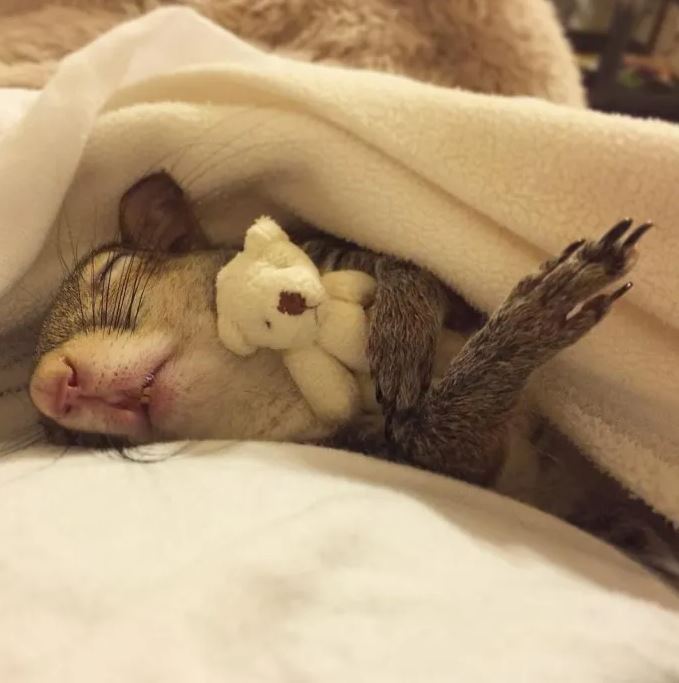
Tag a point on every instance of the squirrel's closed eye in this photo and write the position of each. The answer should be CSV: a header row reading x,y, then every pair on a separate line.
x,y
107,268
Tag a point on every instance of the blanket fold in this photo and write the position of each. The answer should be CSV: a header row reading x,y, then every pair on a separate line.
x,y
478,188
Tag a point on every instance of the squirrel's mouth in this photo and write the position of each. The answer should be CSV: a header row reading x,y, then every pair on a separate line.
x,y
147,386
131,414
145,397
140,400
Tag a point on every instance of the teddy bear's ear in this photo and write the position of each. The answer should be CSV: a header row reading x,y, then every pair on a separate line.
x,y
233,338
262,234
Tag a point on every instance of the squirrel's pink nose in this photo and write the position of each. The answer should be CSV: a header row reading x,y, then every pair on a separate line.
x,y
54,387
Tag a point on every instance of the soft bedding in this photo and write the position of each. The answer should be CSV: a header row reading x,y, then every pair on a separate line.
x,y
255,562
478,188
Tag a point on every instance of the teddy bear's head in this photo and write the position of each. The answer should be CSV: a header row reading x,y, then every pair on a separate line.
x,y
268,294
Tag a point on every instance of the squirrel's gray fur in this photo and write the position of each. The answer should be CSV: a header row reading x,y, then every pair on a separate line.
x,y
459,425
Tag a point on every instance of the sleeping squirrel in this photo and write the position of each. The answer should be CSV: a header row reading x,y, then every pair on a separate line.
x,y
129,353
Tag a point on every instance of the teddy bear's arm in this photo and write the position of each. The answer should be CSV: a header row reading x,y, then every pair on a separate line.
x,y
343,330
328,387
351,286
407,314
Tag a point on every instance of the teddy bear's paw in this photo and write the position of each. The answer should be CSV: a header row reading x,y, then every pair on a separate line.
x,y
352,286
342,408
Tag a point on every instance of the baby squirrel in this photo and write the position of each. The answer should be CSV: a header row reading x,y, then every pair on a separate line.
x,y
129,353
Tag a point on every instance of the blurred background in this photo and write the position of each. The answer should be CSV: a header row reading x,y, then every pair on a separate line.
x,y
628,51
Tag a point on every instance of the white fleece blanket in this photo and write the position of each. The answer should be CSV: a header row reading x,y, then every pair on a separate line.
x,y
480,189
253,562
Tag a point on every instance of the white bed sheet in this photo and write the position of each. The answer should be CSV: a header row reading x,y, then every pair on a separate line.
x,y
262,562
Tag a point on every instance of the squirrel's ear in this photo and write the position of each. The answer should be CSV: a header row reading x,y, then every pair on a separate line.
x,y
233,338
155,214
262,234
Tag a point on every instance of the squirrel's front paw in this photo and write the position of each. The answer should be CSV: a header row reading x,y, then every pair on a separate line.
x,y
555,307
405,321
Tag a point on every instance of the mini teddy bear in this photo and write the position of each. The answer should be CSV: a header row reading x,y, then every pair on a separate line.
x,y
271,295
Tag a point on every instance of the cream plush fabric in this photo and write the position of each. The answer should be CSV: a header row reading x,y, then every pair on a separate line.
x,y
271,295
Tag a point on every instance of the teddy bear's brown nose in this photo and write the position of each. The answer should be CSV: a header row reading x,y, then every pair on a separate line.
x,y
291,303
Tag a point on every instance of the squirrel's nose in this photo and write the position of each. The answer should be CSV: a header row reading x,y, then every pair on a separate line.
x,y
54,387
